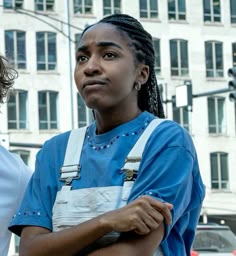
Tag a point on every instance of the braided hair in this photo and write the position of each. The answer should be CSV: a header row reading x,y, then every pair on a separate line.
x,y
7,77
149,98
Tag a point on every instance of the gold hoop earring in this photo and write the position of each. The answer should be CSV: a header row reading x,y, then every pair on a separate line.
x,y
138,85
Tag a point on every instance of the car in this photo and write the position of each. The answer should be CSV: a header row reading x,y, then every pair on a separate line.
x,y
214,239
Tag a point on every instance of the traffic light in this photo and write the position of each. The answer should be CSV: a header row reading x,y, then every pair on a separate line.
x,y
232,84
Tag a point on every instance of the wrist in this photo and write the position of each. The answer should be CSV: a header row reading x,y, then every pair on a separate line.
x,y
104,223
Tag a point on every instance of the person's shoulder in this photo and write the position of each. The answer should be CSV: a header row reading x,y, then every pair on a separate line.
x,y
12,161
7,156
172,134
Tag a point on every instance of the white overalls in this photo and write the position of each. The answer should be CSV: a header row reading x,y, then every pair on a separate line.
x,y
73,207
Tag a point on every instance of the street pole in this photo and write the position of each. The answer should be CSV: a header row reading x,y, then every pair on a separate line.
x,y
70,62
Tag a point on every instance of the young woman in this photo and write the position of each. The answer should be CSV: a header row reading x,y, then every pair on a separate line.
x,y
14,175
117,187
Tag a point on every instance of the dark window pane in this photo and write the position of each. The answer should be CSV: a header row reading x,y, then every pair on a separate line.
x,y
234,54
53,107
233,11
181,6
81,112
117,3
209,56
107,3
22,109
224,167
153,5
143,4
211,115
9,43
214,167
184,54
174,53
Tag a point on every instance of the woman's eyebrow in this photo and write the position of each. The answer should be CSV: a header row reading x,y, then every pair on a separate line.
x,y
107,43
84,48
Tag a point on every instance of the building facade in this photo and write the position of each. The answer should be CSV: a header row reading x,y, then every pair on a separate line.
x,y
194,42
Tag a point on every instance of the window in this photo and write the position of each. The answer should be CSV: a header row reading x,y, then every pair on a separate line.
x,y
46,50
82,120
83,6
181,116
11,4
77,39
233,11
148,9
47,101
214,59
17,110
44,5
234,54
219,170
176,10
111,7
85,115
15,48
156,44
216,117
179,57
211,9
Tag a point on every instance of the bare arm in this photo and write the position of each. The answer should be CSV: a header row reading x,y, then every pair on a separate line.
x,y
142,216
134,245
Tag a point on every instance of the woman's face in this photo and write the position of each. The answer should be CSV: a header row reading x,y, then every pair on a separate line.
x,y
105,71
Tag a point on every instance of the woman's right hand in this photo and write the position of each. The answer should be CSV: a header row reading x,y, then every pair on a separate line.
x,y
142,216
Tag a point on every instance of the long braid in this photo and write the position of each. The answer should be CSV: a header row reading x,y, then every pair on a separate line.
x,y
149,96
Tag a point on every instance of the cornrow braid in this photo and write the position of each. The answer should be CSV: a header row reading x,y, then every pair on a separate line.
x,y
7,77
149,96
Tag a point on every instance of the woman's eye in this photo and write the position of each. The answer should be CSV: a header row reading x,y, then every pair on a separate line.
x,y
109,55
81,58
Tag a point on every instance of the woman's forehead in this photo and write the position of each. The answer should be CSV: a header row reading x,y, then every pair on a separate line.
x,y
104,32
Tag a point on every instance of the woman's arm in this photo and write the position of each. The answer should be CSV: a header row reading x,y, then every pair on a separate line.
x,y
143,216
134,245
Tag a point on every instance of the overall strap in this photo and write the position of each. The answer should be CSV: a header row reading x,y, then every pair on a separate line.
x,y
71,167
137,151
74,146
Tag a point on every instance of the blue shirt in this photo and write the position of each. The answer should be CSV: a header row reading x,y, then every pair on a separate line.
x,y
168,171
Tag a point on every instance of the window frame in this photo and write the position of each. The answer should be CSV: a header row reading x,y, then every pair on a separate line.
x,y
148,10
216,72
219,171
88,114
176,15
44,5
215,127
18,110
211,17
157,49
17,49
179,70
112,9
13,4
232,12
82,7
46,55
48,123
180,115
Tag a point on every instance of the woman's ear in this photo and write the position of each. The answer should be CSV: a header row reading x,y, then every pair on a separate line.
x,y
143,73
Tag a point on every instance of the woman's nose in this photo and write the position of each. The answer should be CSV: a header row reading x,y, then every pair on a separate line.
x,y
92,66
